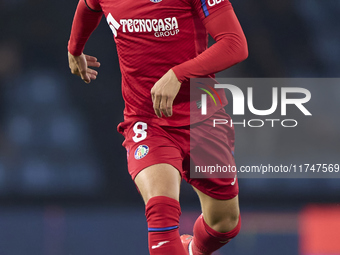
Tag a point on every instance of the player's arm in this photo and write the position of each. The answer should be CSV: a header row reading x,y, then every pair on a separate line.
x,y
86,19
230,47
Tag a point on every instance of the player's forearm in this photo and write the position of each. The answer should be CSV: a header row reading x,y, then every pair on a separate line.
x,y
230,48
84,23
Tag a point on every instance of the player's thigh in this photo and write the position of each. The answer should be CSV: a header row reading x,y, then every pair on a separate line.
x,y
154,159
221,215
159,180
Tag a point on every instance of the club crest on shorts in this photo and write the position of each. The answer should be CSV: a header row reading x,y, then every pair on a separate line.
x,y
156,1
141,151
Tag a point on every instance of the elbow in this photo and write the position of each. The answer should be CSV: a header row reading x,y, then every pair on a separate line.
x,y
242,49
237,46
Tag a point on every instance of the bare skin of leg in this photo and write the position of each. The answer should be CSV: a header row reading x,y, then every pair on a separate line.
x,y
159,180
221,215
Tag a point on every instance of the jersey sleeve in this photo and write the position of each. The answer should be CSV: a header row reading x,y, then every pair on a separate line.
x,y
206,9
85,21
220,21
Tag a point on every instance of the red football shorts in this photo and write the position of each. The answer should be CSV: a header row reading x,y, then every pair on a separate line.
x,y
149,144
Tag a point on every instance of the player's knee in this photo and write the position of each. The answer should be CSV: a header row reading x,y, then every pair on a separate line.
x,y
153,194
227,222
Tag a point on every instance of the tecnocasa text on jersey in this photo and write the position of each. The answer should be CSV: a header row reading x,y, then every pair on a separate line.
x,y
161,27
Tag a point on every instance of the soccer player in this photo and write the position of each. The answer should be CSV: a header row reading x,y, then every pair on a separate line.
x,y
161,44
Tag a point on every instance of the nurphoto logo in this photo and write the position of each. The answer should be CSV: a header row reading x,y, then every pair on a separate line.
x,y
278,102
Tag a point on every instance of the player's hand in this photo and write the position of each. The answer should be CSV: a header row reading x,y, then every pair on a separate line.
x,y
163,94
79,66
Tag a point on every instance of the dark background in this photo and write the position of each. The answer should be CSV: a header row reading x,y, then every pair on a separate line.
x,y
59,148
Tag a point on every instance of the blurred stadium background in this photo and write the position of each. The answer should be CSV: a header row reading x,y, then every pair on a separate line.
x,y
64,186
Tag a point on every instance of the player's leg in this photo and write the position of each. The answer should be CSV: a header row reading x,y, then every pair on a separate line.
x,y
154,163
221,215
159,180
218,224
220,221
159,186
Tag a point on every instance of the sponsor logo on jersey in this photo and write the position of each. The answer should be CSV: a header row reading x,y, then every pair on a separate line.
x,y
141,151
159,27
113,24
156,1
214,2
